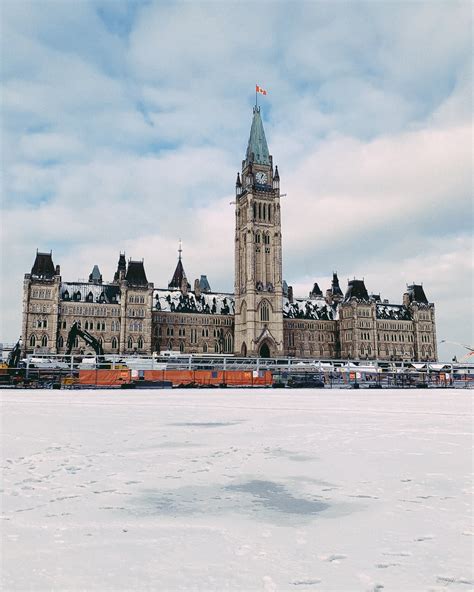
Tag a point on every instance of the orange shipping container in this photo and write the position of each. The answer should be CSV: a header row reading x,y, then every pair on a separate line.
x,y
104,377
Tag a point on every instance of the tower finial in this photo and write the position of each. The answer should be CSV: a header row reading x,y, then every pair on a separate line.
x,y
180,249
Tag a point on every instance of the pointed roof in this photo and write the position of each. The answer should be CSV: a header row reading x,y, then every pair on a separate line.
x,y
356,289
335,285
204,284
43,267
417,294
257,149
178,276
95,277
136,275
316,291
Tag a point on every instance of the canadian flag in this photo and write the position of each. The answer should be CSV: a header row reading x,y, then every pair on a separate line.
x,y
260,90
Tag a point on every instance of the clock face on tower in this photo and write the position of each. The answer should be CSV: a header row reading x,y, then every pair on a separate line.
x,y
261,178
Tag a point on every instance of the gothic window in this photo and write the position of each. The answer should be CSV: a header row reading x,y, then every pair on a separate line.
x,y
228,343
60,342
264,211
129,343
90,297
114,343
181,346
204,348
257,237
170,345
140,342
32,341
254,210
44,341
259,211
269,213
264,311
216,347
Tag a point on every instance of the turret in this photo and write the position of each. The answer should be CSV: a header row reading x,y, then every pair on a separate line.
x,y
276,179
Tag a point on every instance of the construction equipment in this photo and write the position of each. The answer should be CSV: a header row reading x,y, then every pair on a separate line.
x,y
94,343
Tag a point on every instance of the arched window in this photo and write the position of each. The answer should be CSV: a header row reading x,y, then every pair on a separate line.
x,y
228,343
181,346
204,348
254,210
264,211
32,341
269,213
44,341
114,343
129,343
259,211
60,342
264,311
140,342
216,347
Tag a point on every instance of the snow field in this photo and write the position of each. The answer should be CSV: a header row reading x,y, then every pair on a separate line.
x,y
236,490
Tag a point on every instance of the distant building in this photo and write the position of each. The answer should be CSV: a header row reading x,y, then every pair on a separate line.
x,y
261,318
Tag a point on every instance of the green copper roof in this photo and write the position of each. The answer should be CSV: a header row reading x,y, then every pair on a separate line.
x,y
257,141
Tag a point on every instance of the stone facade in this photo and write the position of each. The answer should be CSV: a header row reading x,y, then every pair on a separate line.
x,y
262,318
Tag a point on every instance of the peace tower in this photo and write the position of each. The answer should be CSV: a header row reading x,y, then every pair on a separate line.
x,y
258,262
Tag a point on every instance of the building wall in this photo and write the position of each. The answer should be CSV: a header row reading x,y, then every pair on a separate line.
x,y
192,333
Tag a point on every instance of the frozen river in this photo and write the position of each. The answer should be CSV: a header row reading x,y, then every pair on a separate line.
x,y
236,490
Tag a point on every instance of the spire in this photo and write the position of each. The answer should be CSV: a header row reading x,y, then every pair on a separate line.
x,y
179,273
335,285
276,175
257,149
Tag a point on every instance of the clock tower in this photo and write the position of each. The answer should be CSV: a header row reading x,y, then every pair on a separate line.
x,y
258,263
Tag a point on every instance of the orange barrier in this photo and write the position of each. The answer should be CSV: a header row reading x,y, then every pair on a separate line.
x,y
179,377
211,377
104,377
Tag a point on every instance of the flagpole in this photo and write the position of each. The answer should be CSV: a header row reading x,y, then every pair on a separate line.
x,y
256,97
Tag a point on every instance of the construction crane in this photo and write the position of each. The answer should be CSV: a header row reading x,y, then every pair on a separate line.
x,y
468,347
96,345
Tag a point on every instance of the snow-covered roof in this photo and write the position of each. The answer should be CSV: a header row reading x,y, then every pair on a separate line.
x,y
314,308
175,301
101,293
396,312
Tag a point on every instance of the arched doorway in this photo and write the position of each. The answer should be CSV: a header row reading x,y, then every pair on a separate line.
x,y
264,351
243,351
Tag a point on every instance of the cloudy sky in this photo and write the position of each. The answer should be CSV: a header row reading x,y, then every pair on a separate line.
x,y
124,125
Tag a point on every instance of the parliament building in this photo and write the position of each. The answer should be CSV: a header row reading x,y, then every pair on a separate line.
x,y
262,318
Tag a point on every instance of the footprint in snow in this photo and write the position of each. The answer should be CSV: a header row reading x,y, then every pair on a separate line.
x,y
311,582
335,557
427,537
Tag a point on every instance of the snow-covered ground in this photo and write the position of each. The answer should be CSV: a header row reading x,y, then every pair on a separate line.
x,y
236,490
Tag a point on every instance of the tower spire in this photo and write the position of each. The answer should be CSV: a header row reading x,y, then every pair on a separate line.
x,y
257,149
180,249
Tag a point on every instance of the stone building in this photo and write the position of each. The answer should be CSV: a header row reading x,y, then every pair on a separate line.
x,y
261,318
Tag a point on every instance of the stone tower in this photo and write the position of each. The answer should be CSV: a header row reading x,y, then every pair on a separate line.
x,y
258,263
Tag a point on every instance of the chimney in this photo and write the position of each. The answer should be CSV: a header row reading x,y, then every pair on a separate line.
x,y
197,288
406,299
184,286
